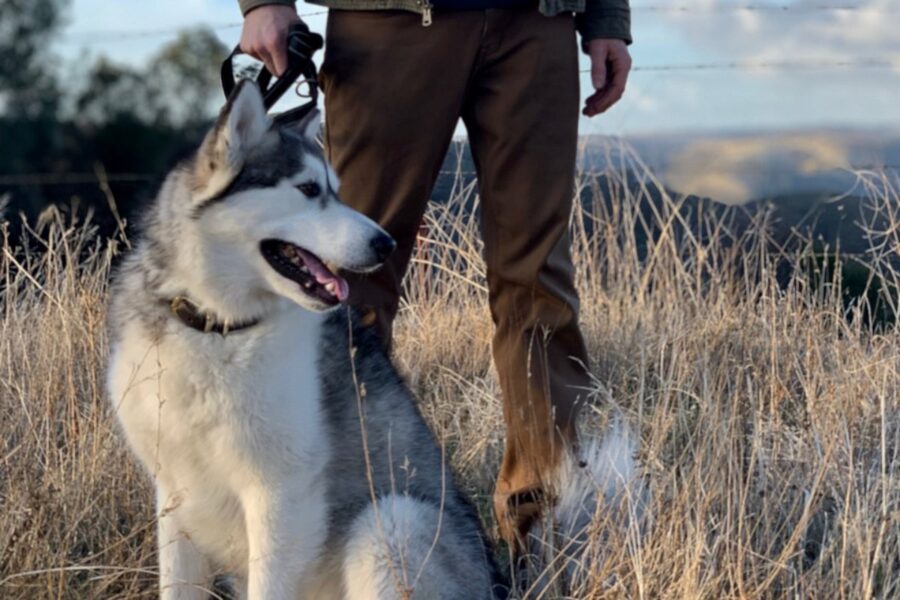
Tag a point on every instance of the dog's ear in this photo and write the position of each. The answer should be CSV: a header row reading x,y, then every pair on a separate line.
x,y
241,126
310,125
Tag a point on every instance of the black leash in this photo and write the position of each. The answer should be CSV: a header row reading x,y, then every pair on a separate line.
x,y
301,45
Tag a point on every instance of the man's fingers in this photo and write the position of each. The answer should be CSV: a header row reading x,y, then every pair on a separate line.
x,y
275,49
598,73
603,99
274,59
621,68
597,103
607,96
279,61
264,35
259,52
590,105
615,92
263,55
610,64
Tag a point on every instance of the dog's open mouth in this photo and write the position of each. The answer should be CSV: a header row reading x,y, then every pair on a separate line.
x,y
306,269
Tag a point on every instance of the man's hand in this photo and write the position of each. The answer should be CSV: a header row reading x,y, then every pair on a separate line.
x,y
264,36
610,64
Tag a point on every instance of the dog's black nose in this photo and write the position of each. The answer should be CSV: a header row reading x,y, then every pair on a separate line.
x,y
383,245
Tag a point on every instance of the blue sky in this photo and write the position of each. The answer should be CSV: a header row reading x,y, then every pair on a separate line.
x,y
667,32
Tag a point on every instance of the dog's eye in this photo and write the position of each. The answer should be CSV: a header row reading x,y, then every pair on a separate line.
x,y
310,189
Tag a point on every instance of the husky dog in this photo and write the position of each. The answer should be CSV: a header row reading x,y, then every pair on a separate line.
x,y
284,446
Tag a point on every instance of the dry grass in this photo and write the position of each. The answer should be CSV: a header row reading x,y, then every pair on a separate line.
x,y
768,420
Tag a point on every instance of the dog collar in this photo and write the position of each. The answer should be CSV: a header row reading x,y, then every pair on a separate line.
x,y
189,314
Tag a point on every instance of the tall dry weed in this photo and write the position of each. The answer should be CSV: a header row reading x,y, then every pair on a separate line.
x,y
767,407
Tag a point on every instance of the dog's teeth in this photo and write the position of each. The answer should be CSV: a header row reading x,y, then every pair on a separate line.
x,y
330,287
288,251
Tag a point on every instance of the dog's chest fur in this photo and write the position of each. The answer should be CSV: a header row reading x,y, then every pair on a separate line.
x,y
221,421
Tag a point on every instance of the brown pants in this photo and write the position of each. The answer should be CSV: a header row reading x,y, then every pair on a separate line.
x,y
394,92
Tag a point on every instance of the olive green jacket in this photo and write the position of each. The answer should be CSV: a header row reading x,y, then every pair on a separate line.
x,y
595,19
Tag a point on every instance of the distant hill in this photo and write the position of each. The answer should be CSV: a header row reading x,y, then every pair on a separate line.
x,y
800,173
741,168
805,176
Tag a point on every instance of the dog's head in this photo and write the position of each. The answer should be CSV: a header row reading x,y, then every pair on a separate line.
x,y
266,212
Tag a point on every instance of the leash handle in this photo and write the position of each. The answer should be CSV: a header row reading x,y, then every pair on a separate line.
x,y
301,45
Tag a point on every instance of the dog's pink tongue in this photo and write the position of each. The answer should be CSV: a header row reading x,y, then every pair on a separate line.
x,y
341,287
324,276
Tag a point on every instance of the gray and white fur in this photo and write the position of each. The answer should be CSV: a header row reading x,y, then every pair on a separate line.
x,y
287,452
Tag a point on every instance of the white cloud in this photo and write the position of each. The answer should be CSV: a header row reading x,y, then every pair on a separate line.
x,y
803,30
750,21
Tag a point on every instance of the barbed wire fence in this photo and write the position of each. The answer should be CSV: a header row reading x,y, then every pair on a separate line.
x,y
100,37
90,38
105,36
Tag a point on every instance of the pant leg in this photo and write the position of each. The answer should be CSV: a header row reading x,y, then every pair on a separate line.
x,y
522,118
393,96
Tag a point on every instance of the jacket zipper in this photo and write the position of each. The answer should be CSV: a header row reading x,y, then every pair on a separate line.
x,y
426,12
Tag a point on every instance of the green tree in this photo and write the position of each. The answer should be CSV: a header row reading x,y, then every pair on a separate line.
x,y
139,119
179,87
27,85
130,120
186,74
